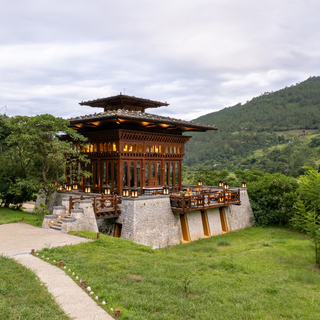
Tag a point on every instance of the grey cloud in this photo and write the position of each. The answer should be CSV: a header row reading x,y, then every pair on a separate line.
x,y
199,56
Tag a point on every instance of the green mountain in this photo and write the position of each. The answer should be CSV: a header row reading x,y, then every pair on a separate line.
x,y
271,133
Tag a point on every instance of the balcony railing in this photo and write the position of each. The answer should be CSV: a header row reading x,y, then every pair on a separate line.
x,y
104,206
184,202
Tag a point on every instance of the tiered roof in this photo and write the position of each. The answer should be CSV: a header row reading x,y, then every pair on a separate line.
x,y
144,119
129,110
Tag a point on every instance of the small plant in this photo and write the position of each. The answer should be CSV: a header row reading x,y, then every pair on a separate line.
x,y
40,212
223,243
186,280
272,289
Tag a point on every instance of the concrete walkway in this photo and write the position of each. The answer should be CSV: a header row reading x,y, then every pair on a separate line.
x,y
17,240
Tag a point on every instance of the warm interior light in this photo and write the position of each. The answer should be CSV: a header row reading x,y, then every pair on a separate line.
x,y
165,189
134,192
125,191
107,189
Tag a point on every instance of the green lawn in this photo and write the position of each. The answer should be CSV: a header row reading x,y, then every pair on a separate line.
x,y
255,273
22,296
8,215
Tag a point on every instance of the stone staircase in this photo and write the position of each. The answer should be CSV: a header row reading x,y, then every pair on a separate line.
x,y
58,224
81,218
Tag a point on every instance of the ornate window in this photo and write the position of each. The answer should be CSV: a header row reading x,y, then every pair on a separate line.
x,y
132,174
138,174
115,175
158,173
166,174
125,147
177,174
104,175
153,170
114,146
125,174
147,174
130,147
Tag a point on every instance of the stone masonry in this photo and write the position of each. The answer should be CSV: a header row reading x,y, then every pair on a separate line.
x,y
83,218
239,217
214,221
195,225
150,221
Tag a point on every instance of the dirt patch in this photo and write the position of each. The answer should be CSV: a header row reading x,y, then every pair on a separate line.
x,y
314,268
133,277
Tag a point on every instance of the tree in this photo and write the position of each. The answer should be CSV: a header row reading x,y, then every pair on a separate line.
x,y
307,210
41,145
272,198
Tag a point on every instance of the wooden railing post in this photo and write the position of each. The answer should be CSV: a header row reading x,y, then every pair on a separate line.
x,y
95,206
239,195
183,202
70,204
115,203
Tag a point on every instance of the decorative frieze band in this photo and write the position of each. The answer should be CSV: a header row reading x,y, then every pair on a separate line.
x,y
109,135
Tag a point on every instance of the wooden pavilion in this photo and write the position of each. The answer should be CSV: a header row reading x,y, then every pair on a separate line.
x,y
128,147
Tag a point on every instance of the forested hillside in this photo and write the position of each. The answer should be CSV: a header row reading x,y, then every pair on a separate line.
x,y
275,132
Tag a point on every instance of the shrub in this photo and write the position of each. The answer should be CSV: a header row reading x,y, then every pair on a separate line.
x,y
272,198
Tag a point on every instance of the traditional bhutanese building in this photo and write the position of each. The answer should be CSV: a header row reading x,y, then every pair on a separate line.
x,y
129,147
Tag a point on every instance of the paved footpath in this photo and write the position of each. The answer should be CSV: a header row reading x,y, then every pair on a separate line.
x,y
17,240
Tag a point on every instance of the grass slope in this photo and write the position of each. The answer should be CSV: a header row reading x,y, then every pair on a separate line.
x,y
22,296
255,273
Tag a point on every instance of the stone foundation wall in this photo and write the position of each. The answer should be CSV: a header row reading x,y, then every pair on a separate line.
x,y
195,225
239,217
84,217
150,221
214,221
48,220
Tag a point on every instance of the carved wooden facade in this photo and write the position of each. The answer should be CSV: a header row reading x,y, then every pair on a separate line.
x,y
128,147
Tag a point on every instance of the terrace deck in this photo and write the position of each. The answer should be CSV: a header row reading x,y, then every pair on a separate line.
x,y
214,198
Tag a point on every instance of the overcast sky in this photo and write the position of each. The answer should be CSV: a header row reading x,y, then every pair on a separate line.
x,y
200,56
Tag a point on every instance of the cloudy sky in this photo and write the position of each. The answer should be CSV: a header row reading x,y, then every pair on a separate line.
x,y
198,55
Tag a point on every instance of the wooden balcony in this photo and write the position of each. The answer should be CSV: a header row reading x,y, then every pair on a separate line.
x,y
206,199
104,206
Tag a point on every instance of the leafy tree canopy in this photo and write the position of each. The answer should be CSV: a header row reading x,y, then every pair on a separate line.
x,y
37,150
